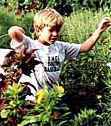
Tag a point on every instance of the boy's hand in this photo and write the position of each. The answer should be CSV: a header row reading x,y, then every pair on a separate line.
x,y
16,33
104,24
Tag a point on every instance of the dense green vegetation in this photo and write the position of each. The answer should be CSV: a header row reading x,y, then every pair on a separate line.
x,y
87,80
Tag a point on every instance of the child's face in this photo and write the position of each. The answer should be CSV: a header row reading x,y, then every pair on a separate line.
x,y
48,35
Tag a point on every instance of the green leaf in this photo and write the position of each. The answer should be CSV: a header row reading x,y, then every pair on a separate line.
x,y
29,120
4,113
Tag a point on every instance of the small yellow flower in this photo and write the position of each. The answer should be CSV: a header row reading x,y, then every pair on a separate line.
x,y
60,89
41,96
14,89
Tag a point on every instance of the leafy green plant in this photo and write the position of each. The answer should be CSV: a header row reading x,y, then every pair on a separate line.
x,y
87,75
104,119
44,111
84,117
16,111
14,106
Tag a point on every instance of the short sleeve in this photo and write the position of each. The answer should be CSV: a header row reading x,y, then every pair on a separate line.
x,y
71,50
26,43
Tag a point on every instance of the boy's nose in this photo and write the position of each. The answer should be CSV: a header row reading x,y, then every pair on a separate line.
x,y
55,33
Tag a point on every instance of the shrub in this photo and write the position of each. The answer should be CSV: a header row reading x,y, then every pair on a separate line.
x,y
88,75
8,19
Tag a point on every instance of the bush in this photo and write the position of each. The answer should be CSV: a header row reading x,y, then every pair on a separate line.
x,y
8,19
89,75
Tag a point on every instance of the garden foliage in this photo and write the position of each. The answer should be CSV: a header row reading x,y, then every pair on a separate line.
x,y
87,80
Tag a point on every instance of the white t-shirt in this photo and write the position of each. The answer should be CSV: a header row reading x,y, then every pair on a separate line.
x,y
51,59
3,53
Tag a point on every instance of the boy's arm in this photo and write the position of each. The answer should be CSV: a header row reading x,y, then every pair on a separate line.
x,y
20,42
90,42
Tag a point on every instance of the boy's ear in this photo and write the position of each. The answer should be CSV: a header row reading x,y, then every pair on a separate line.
x,y
35,28
36,31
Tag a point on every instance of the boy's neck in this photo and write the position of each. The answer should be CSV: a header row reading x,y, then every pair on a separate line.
x,y
44,43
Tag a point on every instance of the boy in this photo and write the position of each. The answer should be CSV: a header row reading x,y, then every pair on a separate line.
x,y
49,53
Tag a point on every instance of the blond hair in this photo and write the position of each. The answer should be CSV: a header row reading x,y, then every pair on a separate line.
x,y
47,17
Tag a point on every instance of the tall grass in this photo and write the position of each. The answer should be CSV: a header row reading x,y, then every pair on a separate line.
x,y
81,24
